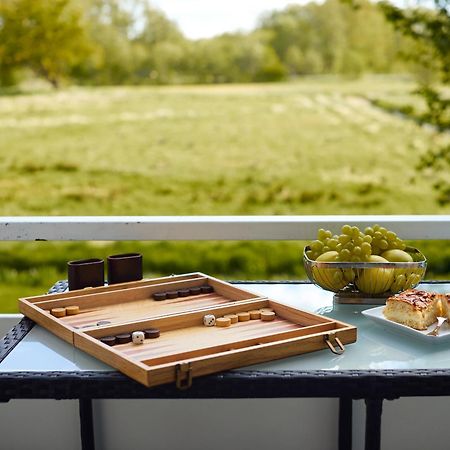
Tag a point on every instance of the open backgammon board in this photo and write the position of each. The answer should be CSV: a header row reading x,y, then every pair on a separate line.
x,y
175,328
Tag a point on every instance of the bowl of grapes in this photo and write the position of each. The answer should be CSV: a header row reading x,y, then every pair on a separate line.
x,y
363,266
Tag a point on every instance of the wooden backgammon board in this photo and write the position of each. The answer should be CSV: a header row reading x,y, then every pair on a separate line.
x,y
168,316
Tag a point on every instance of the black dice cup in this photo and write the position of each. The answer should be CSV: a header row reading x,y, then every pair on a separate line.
x,y
124,267
86,273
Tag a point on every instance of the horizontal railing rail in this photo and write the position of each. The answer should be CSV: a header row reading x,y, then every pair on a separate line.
x,y
199,228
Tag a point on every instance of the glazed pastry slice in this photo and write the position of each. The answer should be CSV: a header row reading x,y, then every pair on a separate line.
x,y
414,308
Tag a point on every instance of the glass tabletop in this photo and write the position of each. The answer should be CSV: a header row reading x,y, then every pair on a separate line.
x,y
377,347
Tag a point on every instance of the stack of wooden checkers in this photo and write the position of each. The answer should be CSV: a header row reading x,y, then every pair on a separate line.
x,y
265,314
67,311
157,342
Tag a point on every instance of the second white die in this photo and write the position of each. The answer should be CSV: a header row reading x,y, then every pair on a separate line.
x,y
138,337
209,320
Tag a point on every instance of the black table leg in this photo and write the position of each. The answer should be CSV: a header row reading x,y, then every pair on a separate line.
x,y
345,423
374,408
86,424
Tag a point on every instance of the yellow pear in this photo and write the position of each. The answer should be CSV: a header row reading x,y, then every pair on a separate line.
x,y
329,278
396,255
375,281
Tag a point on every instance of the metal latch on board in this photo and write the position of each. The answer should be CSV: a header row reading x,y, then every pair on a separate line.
x,y
183,376
328,340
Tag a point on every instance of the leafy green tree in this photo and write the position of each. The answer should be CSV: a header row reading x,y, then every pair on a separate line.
x,y
158,28
166,50
426,26
353,64
333,37
294,58
47,37
235,57
312,63
116,57
429,28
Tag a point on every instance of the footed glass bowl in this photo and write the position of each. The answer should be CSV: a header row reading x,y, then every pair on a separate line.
x,y
367,279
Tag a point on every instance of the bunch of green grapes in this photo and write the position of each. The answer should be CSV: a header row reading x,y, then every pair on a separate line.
x,y
322,244
383,239
352,245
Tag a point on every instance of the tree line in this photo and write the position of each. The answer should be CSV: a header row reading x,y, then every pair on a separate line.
x,y
110,42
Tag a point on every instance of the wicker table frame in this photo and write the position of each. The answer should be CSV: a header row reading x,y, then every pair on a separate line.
x,y
373,386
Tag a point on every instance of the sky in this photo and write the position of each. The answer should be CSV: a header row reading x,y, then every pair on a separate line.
x,y
206,18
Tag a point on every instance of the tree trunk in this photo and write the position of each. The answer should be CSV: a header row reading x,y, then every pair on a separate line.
x,y
52,79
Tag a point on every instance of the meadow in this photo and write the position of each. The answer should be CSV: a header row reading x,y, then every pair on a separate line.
x,y
317,146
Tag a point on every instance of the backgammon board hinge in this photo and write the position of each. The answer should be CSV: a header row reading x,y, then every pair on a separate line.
x,y
183,375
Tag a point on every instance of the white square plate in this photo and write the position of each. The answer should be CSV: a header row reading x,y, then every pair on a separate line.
x,y
376,314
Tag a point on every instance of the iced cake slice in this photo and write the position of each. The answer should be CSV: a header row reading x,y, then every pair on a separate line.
x,y
414,308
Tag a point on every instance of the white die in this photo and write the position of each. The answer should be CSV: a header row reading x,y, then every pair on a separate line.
x,y
138,337
209,320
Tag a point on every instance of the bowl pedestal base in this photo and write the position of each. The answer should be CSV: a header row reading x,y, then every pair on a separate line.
x,y
351,297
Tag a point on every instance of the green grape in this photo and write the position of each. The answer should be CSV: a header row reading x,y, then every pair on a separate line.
x,y
357,251
356,258
358,240
332,243
326,249
321,234
398,283
399,244
338,277
366,249
316,246
391,236
377,235
328,233
383,244
409,283
344,238
367,238
376,227
382,230
346,229
349,275
338,248
344,255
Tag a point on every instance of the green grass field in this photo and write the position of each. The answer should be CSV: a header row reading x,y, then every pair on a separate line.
x,y
311,147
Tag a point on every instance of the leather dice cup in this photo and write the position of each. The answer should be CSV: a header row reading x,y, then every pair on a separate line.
x,y
121,268
86,273
124,267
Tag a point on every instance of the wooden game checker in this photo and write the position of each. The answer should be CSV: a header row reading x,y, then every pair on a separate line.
x,y
185,347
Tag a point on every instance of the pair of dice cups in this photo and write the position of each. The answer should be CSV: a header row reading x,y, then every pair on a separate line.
x,y
84,273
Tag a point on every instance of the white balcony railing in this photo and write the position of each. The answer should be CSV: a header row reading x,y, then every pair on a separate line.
x,y
198,228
